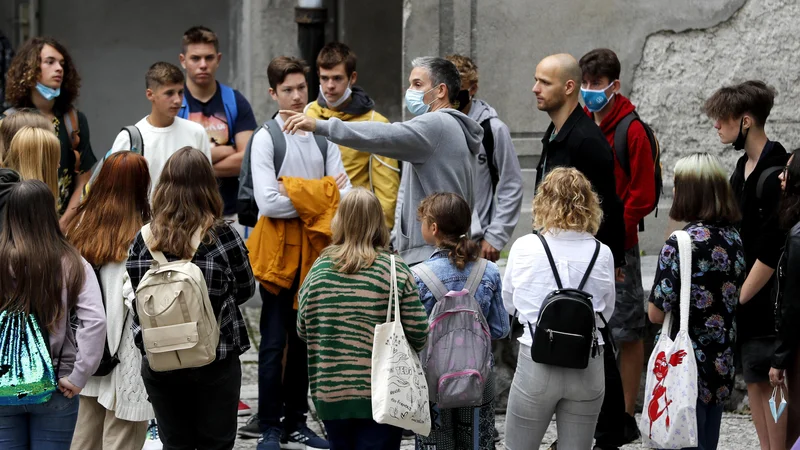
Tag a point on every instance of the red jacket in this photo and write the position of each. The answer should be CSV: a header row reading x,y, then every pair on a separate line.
x,y
637,192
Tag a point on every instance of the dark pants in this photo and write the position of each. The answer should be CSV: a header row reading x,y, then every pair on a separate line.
x,y
282,391
611,424
362,434
196,408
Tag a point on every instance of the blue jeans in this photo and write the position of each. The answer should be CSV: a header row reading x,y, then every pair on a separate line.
x,y
362,434
48,426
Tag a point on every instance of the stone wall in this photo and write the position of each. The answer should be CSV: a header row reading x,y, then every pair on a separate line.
x,y
678,71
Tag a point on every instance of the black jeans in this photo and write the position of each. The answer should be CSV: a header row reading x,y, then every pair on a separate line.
x,y
278,397
196,408
362,434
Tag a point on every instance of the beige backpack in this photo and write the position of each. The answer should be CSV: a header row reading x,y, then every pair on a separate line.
x,y
179,328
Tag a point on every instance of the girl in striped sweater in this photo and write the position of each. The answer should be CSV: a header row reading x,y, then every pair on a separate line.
x,y
344,296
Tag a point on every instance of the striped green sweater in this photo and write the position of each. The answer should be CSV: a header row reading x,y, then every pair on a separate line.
x,y
337,316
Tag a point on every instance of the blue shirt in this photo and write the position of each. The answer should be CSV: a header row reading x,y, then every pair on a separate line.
x,y
489,293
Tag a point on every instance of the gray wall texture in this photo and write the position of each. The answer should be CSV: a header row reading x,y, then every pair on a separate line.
x,y
678,71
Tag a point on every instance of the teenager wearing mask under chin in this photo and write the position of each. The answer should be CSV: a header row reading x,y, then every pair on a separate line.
x,y
739,113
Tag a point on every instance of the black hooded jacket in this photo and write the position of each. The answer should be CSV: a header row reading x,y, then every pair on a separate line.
x,y
761,234
787,293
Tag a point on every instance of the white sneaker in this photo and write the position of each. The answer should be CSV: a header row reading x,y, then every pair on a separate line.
x,y
152,442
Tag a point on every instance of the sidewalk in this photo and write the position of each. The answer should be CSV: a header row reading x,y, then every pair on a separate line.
x,y
737,433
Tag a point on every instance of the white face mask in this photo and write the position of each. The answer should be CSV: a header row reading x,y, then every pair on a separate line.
x,y
347,93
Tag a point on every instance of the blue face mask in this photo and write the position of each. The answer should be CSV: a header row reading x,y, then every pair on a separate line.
x,y
777,410
47,92
596,100
415,102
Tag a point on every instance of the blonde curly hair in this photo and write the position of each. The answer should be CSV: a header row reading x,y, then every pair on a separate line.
x,y
565,201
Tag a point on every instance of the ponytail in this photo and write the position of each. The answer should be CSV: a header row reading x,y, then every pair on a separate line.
x,y
462,250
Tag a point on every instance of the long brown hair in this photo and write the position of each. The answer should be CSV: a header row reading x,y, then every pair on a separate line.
x,y
38,261
452,216
25,69
186,198
359,232
114,210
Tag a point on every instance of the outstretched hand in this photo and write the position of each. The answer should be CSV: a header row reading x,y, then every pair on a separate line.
x,y
298,121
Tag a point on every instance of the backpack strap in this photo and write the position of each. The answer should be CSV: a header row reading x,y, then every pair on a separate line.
x,y
550,260
135,138
158,255
762,180
591,265
488,146
183,113
322,143
621,141
475,276
231,110
430,279
278,144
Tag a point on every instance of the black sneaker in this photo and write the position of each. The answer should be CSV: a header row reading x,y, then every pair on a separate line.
x,y
302,438
553,446
496,435
251,430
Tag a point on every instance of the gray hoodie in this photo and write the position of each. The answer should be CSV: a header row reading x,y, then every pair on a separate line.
x,y
439,150
495,216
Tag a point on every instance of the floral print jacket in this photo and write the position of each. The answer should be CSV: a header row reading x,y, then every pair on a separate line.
x,y
718,271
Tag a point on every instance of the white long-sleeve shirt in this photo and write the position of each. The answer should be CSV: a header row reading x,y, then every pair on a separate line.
x,y
303,160
528,277
161,143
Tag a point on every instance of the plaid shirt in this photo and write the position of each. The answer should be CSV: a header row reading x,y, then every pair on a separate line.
x,y
226,267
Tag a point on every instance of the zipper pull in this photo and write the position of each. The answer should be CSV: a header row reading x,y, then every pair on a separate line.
x,y
550,332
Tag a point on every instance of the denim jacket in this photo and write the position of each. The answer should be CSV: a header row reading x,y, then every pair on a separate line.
x,y
489,294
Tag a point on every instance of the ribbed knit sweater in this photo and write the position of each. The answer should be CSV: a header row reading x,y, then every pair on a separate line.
x,y
337,316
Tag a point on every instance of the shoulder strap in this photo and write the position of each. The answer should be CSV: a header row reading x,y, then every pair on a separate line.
x,y
431,280
322,143
475,276
278,144
158,256
591,265
621,141
550,260
762,180
136,139
488,146
685,267
183,113
231,109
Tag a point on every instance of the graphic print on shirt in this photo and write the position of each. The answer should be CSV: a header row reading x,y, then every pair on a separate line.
x,y
216,126
654,410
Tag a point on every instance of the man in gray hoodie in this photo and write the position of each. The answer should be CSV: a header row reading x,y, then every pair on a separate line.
x,y
439,149
498,177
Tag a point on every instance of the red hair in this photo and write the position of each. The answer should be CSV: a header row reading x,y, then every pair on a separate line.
x,y
114,210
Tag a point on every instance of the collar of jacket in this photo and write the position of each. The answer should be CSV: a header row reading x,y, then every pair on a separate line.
x,y
565,130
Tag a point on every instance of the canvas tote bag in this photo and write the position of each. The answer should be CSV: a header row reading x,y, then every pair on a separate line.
x,y
399,389
669,419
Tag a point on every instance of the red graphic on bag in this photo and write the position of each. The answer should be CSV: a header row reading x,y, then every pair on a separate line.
x,y
660,370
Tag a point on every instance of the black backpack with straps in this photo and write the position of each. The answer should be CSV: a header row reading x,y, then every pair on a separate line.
x,y
623,156
566,331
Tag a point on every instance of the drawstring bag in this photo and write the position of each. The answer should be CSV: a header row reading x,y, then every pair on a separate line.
x,y
669,419
27,376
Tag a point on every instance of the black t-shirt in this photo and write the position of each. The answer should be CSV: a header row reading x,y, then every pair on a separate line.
x,y
67,176
211,115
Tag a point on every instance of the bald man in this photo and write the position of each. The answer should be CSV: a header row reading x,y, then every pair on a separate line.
x,y
574,140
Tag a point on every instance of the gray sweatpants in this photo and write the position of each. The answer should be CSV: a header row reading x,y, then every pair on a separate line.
x,y
539,390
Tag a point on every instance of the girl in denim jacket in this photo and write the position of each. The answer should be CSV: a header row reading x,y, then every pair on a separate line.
x,y
446,220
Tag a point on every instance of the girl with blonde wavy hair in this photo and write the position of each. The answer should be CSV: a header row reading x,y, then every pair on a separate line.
x,y
567,215
344,295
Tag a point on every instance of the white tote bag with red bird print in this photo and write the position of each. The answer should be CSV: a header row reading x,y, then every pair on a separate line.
x,y
669,419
